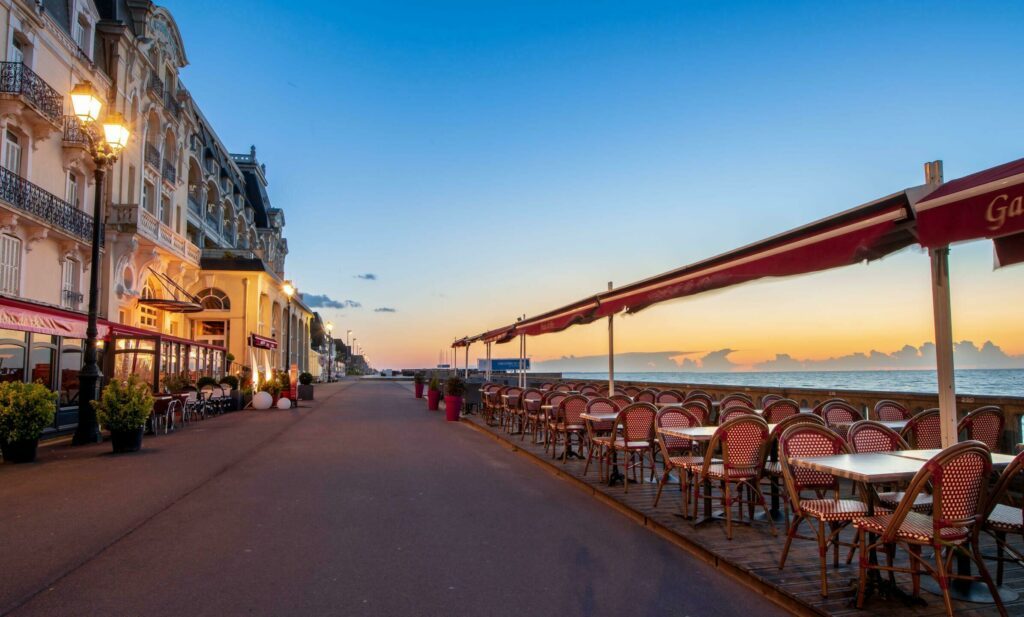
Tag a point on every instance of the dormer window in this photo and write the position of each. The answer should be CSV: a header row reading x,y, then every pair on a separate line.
x,y
83,35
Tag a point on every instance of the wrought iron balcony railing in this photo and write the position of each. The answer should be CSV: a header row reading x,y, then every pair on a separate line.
x,y
170,174
156,85
193,205
71,299
29,198
18,79
74,132
153,156
172,104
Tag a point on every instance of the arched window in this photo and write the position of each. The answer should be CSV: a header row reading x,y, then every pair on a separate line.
x,y
148,316
214,299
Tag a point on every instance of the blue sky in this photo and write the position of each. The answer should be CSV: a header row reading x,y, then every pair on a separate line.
x,y
489,159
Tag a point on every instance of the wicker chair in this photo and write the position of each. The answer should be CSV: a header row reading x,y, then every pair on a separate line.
x,y
510,407
820,407
590,390
699,409
890,411
598,428
839,416
924,430
768,399
621,399
735,412
736,399
631,391
568,423
832,512
676,452
547,385
869,436
530,412
959,479
648,395
984,424
563,387
780,409
551,399
672,397
771,467
633,435
739,441
1002,519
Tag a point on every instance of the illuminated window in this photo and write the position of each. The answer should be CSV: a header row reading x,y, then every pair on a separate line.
x,y
148,316
214,299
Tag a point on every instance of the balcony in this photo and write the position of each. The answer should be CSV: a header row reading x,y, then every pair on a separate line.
x,y
18,82
169,173
31,199
156,86
194,207
153,156
172,104
69,298
149,226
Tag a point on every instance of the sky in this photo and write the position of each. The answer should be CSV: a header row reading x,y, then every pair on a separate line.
x,y
447,166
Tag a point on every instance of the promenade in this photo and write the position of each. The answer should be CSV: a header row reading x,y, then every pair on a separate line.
x,y
362,503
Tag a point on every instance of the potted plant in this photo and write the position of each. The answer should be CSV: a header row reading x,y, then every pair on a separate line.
x,y
25,410
272,387
433,394
454,388
306,386
123,408
176,382
419,379
236,395
204,381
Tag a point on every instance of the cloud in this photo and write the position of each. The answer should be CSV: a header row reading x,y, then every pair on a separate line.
x,y
385,309
369,276
323,301
636,362
966,355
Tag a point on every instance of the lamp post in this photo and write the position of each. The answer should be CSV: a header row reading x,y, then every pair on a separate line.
x,y
330,349
289,291
104,151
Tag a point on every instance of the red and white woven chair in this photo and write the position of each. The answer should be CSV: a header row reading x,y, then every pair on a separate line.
x,y
699,409
568,423
590,390
959,479
984,424
551,400
890,411
839,415
771,466
1002,519
736,399
734,412
832,514
633,436
739,442
779,409
621,399
598,428
648,395
630,391
924,430
510,407
676,452
768,399
819,407
672,397
531,413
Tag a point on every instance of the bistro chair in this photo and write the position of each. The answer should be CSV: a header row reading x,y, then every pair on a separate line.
x,y
771,466
163,412
648,395
820,407
839,415
739,442
598,428
631,391
633,435
735,412
195,406
736,399
1002,519
530,412
604,390
509,407
563,387
959,479
890,411
868,436
494,404
924,430
703,398
621,399
984,424
831,513
568,423
779,409
673,397
551,399
699,409
768,399
547,385
698,393
676,452
590,390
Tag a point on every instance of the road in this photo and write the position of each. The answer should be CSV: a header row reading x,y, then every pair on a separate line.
x,y
364,504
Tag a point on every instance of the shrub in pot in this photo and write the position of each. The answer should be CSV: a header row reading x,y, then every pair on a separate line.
x,y
25,410
454,389
273,388
124,408
433,394
305,386
419,379
204,381
177,382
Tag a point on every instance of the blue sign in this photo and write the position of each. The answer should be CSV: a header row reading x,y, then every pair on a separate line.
x,y
503,365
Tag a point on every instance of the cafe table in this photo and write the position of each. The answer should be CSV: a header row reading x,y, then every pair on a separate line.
x,y
901,466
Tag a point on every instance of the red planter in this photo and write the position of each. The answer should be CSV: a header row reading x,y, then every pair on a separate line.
x,y
433,399
419,390
452,407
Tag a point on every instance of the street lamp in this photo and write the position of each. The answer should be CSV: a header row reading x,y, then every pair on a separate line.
x,y
330,350
104,151
289,291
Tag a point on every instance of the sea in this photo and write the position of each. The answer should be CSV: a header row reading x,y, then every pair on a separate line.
x,y
993,382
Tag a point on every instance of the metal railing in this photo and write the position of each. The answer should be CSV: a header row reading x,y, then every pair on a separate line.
x,y
153,155
172,104
74,132
149,226
194,206
156,85
16,78
170,174
71,299
28,197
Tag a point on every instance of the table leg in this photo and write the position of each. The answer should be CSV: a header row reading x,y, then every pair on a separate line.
x,y
615,476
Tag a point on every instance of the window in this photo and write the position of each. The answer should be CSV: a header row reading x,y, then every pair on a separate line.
x,y
17,51
165,210
148,316
70,365
71,191
212,333
10,265
214,299
82,31
12,355
70,296
12,152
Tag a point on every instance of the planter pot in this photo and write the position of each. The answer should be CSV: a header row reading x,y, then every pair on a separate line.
x,y
433,399
126,441
419,390
246,399
452,408
305,392
23,451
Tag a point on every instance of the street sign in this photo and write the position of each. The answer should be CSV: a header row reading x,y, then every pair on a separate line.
x,y
499,365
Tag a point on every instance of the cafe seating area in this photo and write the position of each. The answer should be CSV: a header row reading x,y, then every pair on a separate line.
x,y
829,507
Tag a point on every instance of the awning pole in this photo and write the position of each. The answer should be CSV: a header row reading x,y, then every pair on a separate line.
x,y
467,360
611,351
488,361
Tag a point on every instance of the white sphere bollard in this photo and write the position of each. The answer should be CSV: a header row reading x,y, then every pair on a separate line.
x,y
262,400
284,403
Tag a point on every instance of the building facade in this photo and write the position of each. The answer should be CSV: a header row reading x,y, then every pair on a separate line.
x,y
193,255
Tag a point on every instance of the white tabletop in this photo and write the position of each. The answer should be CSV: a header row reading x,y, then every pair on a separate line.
x,y
599,417
998,460
869,467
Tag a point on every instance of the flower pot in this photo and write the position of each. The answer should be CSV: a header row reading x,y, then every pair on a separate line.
x,y
305,392
23,451
419,390
433,399
452,408
126,441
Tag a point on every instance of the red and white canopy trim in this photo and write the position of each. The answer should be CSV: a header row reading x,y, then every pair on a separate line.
x,y
559,319
865,233
987,204
499,336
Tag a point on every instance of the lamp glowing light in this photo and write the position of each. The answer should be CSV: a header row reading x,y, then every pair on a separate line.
x,y
115,131
86,102
288,290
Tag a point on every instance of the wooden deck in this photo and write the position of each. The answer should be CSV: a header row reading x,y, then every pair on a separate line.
x,y
752,556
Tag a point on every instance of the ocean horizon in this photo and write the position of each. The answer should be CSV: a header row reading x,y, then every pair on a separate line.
x,y
984,382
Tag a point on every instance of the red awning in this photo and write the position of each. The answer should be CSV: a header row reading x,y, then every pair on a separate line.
x,y
1009,250
559,319
261,342
987,204
499,336
462,342
867,232
28,317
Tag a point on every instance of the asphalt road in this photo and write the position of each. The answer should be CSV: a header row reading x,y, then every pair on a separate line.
x,y
366,504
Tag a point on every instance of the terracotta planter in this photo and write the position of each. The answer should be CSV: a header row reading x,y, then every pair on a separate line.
x,y
419,390
126,441
433,400
23,451
452,408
